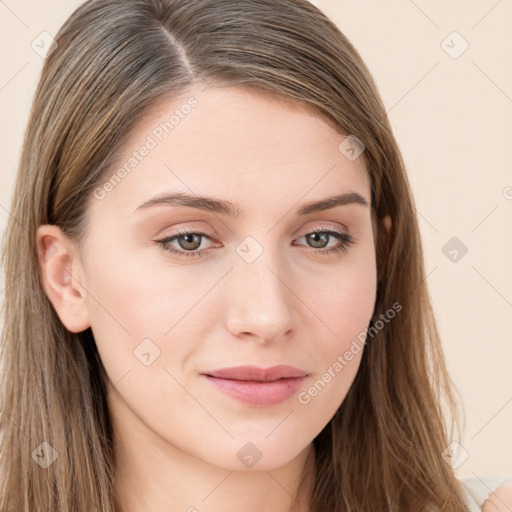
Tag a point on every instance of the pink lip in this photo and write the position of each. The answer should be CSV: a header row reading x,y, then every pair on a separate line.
x,y
258,386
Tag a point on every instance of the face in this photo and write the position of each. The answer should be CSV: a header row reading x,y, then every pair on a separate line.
x,y
177,289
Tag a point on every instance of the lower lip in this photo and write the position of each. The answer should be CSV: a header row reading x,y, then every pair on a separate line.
x,y
260,394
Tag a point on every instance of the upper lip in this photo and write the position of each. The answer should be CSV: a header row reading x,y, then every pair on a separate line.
x,y
281,371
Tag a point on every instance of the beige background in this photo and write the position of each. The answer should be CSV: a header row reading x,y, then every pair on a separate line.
x,y
453,120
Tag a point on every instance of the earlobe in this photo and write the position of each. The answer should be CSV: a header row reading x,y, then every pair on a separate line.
x,y
63,277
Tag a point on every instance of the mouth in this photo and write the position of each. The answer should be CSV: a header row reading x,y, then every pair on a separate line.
x,y
257,386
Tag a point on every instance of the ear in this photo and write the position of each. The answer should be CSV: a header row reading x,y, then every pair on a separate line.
x,y
385,240
386,222
63,277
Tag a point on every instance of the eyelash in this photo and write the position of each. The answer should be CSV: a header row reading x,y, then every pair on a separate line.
x,y
345,239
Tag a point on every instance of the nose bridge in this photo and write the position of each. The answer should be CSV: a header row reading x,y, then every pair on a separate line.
x,y
260,301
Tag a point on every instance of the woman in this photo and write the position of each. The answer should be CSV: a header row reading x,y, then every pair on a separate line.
x,y
215,293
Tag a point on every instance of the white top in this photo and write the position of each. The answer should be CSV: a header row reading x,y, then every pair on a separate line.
x,y
479,488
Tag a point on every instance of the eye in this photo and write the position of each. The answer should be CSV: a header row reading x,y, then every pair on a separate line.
x,y
320,237
189,242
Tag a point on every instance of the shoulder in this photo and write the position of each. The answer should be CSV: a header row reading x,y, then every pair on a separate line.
x,y
499,500
488,493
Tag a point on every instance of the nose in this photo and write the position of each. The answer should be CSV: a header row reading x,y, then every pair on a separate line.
x,y
260,301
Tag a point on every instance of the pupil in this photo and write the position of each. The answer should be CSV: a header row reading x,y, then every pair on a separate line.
x,y
189,239
318,237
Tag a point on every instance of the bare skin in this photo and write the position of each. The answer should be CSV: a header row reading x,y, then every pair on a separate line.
x,y
177,437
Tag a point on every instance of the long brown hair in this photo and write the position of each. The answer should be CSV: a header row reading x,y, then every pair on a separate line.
x,y
114,60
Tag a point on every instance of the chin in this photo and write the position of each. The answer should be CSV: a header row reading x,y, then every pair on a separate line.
x,y
255,455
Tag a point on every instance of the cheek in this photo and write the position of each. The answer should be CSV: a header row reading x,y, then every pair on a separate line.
x,y
348,304
131,308
345,308
344,299
133,289
148,321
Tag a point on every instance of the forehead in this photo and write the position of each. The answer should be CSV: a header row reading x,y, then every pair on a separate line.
x,y
233,143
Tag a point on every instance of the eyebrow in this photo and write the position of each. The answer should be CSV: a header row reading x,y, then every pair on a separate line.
x,y
221,206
